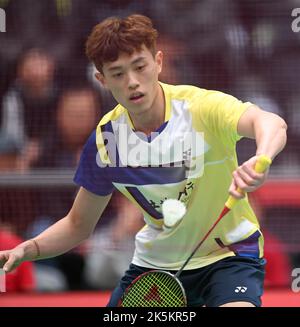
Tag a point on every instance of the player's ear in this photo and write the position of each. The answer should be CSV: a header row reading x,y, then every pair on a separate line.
x,y
159,60
100,77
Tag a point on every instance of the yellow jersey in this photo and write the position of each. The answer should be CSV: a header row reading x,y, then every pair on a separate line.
x,y
191,158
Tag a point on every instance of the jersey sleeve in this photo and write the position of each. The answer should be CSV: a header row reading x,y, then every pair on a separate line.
x,y
90,174
220,113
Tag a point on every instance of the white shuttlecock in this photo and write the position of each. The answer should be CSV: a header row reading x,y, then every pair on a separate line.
x,y
173,211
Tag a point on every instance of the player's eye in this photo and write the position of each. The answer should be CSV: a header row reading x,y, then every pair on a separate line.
x,y
140,68
117,75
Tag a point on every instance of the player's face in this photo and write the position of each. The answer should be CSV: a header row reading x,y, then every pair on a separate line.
x,y
133,79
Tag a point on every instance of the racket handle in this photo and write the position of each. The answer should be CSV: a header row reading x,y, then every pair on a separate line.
x,y
262,163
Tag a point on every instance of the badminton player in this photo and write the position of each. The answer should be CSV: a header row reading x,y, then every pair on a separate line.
x,y
164,141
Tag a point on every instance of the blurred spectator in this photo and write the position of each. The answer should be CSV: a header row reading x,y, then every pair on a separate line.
x,y
79,109
194,23
278,267
177,68
37,23
28,106
269,26
22,279
110,249
9,153
253,87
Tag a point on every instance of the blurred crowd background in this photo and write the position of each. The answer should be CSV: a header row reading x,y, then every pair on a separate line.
x,y
50,103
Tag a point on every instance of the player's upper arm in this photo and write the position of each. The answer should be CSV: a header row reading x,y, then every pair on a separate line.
x,y
87,209
254,116
246,122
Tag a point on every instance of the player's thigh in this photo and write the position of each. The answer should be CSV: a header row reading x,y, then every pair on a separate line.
x,y
238,304
236,281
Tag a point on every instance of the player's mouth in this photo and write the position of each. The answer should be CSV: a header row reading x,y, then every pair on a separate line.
x,y
136,97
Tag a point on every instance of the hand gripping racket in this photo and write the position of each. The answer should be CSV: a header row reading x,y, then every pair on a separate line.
x,y
158,288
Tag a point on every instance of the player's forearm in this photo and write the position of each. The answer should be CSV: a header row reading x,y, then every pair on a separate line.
x,y
55,240
270,134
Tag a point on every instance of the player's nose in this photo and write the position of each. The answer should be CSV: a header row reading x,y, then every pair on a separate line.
x,y
133,82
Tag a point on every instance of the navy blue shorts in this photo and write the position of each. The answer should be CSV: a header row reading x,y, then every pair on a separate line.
x,y
228,280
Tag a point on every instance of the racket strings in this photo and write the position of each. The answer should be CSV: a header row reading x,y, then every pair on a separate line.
x,y
155,289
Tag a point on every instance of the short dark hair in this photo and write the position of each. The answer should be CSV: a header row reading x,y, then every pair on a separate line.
x,y
115,35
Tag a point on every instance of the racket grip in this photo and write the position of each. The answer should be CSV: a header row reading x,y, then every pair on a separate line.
x,y
262,163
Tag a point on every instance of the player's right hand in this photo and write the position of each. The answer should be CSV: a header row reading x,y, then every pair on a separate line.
x,y
246,179
11,259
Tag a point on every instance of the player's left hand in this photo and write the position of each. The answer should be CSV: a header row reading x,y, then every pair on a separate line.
x,y
246,179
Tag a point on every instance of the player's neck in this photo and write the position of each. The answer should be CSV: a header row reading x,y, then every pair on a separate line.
x,y
151,119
